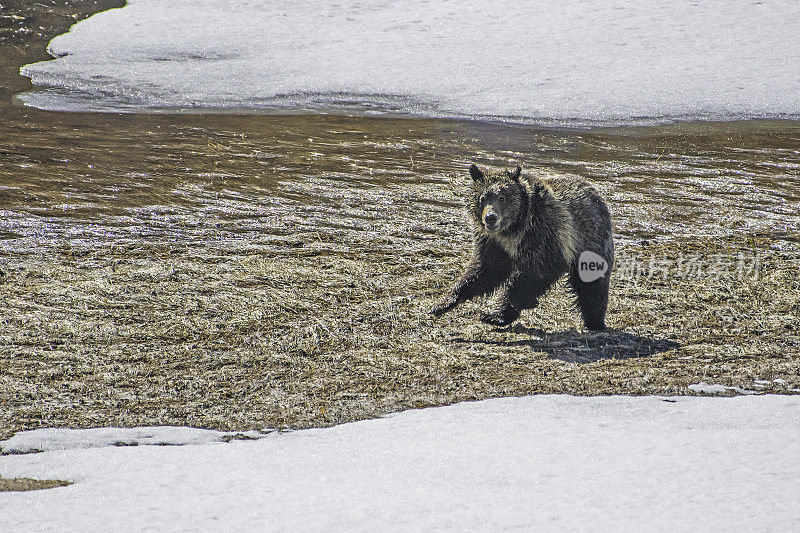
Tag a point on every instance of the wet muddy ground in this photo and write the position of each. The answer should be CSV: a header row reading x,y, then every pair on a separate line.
x,y
240,272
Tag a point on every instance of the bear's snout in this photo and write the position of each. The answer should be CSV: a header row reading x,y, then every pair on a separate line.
x,y
490,218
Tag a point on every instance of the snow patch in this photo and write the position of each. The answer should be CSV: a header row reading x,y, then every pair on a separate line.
x,y
50,439
705,388
543,463
603,61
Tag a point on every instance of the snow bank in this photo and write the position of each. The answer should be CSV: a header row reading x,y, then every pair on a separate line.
x,y
545,62
50,439
538,463
707,388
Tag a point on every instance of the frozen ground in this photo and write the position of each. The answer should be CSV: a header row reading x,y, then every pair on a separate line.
x,y
539,463
545,62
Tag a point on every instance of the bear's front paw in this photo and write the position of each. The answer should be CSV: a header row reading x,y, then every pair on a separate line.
x,y
501,318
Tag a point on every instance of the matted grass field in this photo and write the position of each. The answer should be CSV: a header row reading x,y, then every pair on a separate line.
x,y
312,309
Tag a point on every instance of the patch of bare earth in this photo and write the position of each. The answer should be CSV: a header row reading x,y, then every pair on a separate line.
x,y
22,484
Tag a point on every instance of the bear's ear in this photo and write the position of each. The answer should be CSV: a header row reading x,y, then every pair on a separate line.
x,y
516,174
476,173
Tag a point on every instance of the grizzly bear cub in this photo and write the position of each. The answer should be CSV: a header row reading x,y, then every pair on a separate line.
x,y
530,231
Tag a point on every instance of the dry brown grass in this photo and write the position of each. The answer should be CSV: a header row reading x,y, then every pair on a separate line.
x,y
151,336
22,484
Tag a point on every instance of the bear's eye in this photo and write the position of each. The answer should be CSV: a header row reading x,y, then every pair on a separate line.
x,y
501,200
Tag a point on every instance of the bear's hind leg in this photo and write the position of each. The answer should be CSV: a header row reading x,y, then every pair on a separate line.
x,y
592,300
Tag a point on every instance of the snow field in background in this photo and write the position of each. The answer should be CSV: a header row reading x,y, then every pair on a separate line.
x,y
547,62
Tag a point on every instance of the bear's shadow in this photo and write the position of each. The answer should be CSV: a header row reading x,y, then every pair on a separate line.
x,y
576,347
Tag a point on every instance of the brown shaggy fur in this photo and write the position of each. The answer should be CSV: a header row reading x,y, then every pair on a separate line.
x,y
529,232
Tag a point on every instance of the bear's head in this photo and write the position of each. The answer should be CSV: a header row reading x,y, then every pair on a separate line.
x,y
498,199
